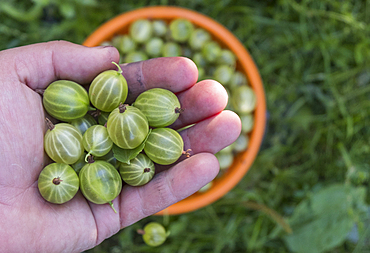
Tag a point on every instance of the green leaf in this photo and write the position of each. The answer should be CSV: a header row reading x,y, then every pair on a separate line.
x,y
126,155
323,221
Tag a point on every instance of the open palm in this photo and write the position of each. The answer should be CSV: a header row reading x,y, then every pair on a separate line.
x,y
30,224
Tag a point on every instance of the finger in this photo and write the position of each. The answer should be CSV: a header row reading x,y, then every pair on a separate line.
x,y
167,188
173,73
213,134
40,64
201,101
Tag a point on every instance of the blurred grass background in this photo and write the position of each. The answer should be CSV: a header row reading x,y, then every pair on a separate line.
x,y
308,190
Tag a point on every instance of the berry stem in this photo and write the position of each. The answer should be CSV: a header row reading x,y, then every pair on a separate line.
x,y
179,110
89,158
118,66
57,180
49,124
111,205
140,231
122,108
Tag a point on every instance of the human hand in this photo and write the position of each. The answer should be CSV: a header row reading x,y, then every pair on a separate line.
x,y
30,224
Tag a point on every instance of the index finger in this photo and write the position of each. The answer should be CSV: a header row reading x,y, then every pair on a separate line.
x,y
172,73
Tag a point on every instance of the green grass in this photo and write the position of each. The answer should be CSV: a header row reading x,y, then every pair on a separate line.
x,y
313,57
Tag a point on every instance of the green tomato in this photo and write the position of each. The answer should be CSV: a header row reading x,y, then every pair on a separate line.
x,y
160,106
58,183
66,100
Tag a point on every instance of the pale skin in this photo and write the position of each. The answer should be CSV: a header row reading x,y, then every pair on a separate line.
x,y
30,224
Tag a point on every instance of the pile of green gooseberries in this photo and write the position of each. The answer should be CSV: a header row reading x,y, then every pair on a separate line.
x,y
100,141
179,37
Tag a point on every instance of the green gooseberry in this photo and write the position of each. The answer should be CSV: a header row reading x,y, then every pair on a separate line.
x,y
159,28
164,146
171,49
181,29
96,141
198,38
141,30
186,52
223,74
243,99
135,56
199,60
58,183
127,126
139,172
247,122
227,57
154,46
63,143
108,90
211,51
224,159
241,143
77,166
206,187
66,100
124,43
100,182
82,124
109,157
103,118
160,106
238,79
154,234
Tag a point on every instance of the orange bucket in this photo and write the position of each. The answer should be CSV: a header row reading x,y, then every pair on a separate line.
x,y
243,161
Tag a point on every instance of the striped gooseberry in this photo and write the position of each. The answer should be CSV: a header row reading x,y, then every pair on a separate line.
x,y
96,141
181,29
82,124
103,117
160,106
66,100
164,146
141,30
154,234
243,99
109,157
139,172
100,182
127,126
58,183
63,143
108,90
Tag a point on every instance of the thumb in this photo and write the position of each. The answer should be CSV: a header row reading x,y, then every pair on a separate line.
x,y
40,64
